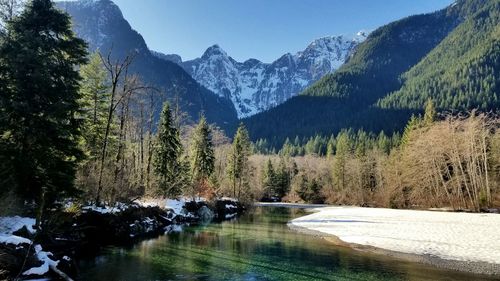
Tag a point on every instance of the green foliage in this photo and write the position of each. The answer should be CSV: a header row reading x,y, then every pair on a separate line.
x,y
413,124
319,145
202,152
447,72
344,149
277,182
430,114
462,73
168,164
310,191
39,103
238,166
269,179
94,102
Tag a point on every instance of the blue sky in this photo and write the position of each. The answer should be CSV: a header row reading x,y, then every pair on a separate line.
x,y
262,29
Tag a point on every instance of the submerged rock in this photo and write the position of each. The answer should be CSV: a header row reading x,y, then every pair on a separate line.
x,y
205,214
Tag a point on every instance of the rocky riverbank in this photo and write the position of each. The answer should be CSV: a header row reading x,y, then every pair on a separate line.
x,y
83,231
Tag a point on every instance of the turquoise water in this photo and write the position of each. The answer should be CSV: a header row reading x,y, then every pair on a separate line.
x,y
257,246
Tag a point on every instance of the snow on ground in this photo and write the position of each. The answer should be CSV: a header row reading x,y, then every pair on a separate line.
x,y
450,236
47,262
13,239
175,205
119,207
9,225
173,228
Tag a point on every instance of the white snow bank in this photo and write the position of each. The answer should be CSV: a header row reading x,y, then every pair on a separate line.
x,y
9,225
176,205
149,202
47,262
119,207
13,239
173,228
451,236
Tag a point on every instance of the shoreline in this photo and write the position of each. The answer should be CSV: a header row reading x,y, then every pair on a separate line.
x,y
290,205
94,228
474,267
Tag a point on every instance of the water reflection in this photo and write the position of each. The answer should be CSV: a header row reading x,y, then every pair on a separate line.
x,y
258,246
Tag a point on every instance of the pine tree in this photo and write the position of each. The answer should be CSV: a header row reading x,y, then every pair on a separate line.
x,y
283,179
269,181
344,148
330,147
238,166
202,155
39,103
95,96
168,164
310,190
430,113
413,123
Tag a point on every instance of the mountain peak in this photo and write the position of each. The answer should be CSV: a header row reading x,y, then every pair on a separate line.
x,y
254,86
214,50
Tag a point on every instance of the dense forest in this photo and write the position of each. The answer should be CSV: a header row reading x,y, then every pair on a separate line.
x,y
410,122
463,72
437,161
81,125
394,72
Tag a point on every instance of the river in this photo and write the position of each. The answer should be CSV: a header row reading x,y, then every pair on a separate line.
x,y
256,246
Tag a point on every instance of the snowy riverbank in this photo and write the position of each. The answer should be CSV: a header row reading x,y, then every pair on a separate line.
x,y
459,241
25,253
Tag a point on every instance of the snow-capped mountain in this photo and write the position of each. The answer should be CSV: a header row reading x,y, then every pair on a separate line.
x,y
254,86
102,25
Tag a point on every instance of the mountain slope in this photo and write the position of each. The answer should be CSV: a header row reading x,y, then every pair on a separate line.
x,y
348,95
102,25
254,86
463,72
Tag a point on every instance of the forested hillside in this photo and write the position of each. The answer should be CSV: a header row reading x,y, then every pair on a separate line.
x,y
347,98
463,72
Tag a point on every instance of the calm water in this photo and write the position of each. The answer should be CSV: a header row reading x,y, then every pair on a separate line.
x,y
257,246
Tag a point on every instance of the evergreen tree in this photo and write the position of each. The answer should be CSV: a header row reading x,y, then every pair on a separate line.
x,y
310,191
430,113
202,154
269,180
95,96
344,148
168,164
238,166
413,123
39,103
383,143
330,147
283,179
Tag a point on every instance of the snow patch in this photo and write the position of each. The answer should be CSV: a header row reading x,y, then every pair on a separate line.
x,y
9,225
451,236
176,205
173,228
13,239
119,207
47,262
